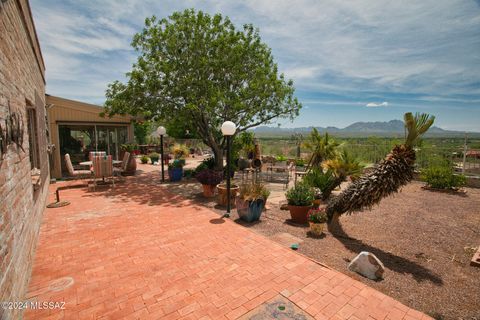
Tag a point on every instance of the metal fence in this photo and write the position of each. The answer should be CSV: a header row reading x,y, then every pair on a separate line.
x,y
462,159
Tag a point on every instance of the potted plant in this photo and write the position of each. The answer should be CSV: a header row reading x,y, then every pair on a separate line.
x,y
154,157
300,199
251,201
209,179
144,159
322,183
175,170
317,217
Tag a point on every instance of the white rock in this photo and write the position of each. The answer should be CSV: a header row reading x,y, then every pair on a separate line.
x,y
368,265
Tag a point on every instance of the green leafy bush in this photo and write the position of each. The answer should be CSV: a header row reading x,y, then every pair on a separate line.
x,y
325,181
299,162
442,177
154,157
208,163
300,195
281,157
144,159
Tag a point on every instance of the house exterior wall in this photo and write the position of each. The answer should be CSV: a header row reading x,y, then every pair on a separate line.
x,y
22,84
63,111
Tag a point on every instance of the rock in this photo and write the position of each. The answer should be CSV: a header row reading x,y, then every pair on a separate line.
x,y
368,265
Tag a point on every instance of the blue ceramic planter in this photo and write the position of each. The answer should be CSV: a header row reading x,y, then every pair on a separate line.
x,y
249,210
175,174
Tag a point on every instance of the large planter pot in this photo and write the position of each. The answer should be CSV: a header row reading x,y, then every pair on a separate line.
x,y
222,194
209,190
316,228
249,210
299,213
131,166
175,174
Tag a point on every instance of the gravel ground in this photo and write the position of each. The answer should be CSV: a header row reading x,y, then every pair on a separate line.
x,y
422,237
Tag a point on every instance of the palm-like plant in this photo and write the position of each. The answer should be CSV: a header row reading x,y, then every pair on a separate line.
x,y
344,165
393,172
322,147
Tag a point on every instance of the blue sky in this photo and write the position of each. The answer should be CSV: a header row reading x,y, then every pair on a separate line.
x,y
350,60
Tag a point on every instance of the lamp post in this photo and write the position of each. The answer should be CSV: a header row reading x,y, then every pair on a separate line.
x,y
228,130
161,132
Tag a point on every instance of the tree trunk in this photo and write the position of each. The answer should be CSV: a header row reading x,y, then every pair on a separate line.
x,y
218,153
334,226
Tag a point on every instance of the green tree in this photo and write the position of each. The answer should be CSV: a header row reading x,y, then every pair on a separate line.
x,y
200,69
141,131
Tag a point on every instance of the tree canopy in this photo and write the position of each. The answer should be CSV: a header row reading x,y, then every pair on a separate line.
x,y
202,71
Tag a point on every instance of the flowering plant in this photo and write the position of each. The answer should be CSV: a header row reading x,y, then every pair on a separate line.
x,y
317,215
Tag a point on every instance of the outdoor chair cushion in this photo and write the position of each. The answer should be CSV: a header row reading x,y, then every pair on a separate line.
x,y
77,173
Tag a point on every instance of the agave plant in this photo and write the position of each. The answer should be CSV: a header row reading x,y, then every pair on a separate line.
x,y
393,172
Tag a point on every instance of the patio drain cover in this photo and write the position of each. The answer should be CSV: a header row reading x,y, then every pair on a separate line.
x,y
277,308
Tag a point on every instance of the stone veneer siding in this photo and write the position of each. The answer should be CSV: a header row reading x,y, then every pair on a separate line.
x,y
22,83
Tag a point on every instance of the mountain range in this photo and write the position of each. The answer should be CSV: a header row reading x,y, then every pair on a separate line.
x,y
390,128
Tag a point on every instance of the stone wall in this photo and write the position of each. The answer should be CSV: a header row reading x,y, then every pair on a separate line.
x,y
22,84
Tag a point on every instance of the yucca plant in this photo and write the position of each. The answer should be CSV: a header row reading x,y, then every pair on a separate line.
x,y
393,172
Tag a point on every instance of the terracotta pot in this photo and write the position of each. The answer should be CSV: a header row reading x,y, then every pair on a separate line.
x,y
208,190
299,213
222,194
132,165
316,228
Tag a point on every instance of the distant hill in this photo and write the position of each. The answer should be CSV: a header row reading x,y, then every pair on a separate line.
x,y
392,128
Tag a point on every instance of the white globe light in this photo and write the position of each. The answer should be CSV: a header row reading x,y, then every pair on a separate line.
x,y
228,128
161,131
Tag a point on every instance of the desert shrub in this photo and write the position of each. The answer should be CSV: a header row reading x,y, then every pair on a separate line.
x,y
442,177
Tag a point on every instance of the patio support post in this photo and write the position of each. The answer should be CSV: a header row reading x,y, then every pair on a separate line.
x,y
228,176
161,157
161,131
228,130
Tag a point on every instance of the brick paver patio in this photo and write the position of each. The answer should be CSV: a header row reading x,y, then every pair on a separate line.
x,y
137,252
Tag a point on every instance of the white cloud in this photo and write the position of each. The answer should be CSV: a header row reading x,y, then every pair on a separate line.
x,y
375,105
332,47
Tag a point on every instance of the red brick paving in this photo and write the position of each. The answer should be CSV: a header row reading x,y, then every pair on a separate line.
x,y
138,252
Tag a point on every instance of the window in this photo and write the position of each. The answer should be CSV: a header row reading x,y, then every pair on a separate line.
x,y
33,138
